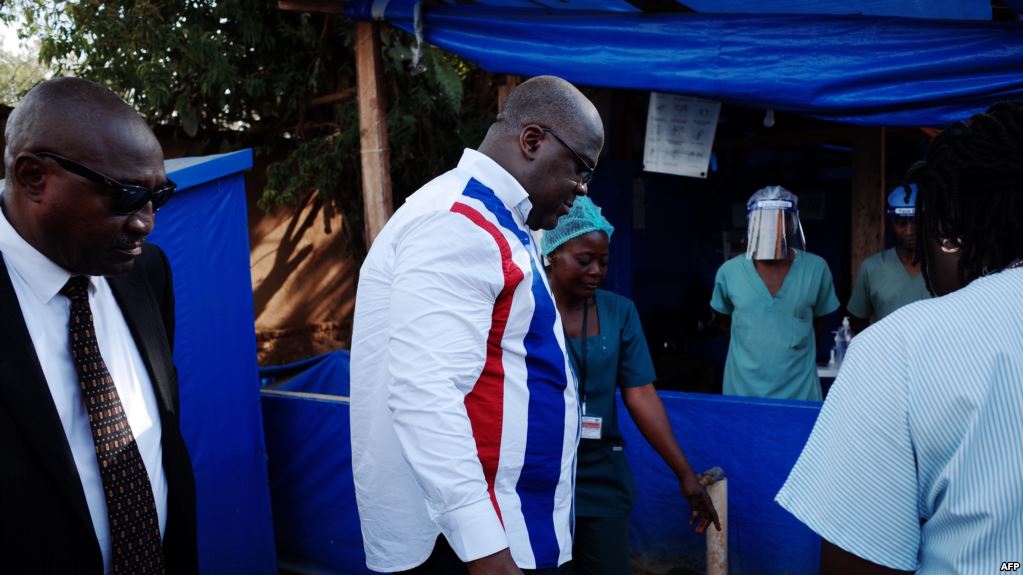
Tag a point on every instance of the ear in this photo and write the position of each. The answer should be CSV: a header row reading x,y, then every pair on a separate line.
x,y
30,176
530,139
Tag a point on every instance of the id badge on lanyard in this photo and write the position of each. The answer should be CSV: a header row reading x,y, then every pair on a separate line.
x,y
592,425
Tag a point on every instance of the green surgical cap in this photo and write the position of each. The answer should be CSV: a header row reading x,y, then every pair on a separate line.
x,y
583,218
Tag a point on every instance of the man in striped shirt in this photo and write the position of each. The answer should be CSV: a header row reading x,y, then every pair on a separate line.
x,y
916,460
464,408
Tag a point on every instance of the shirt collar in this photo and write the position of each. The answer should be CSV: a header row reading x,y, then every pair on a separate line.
x,y
505,186
40,273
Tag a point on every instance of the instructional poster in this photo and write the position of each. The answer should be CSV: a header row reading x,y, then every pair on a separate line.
x,y
679,134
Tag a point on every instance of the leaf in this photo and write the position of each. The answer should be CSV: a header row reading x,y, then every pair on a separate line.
x,y
446,77
190,121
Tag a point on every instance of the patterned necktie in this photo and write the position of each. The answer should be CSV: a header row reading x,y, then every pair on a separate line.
x,y
131,508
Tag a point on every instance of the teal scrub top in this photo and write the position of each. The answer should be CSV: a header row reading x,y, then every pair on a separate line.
x,y
773,352
883,285
617,357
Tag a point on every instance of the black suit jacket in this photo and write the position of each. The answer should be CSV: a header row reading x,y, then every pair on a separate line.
x,y
45,526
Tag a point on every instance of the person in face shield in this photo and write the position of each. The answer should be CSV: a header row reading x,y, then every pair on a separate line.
x,y
770,302
890,279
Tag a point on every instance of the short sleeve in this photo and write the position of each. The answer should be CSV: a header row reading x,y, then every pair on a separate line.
x,y
827,301
859,301
855,483
719,299
635,367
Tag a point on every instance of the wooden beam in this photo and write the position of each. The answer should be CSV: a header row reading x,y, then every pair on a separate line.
x,y
314,6
376,160
503,90
868,194
661,6
839,135
332,98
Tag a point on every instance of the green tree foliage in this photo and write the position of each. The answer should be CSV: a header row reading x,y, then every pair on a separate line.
x,y
236,73
19,71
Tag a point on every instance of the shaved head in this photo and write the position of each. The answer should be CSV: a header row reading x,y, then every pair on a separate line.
x,y
548,137
79,118
548,101
74,151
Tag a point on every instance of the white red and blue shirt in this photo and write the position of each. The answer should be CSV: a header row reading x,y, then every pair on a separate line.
x,y
464,414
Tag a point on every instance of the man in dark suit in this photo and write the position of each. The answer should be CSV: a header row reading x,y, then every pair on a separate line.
x,y
94,473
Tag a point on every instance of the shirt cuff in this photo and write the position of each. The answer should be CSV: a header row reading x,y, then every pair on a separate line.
x,y
474,531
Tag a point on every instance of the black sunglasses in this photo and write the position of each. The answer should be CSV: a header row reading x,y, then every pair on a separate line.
x,y
587,170
130,198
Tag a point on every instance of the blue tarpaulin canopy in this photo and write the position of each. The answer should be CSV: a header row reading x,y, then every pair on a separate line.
x,y
867,62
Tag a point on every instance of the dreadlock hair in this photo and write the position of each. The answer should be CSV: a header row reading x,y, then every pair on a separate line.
x,y
908,181
970,191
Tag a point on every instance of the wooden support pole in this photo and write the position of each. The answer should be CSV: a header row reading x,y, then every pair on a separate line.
x,y
312,6
717,541
503,90
332,98
868,195
376,156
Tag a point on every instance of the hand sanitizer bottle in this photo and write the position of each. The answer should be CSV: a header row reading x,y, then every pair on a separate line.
x,y
842,338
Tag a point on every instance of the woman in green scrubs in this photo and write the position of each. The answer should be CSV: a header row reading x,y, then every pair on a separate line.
x,y
609,352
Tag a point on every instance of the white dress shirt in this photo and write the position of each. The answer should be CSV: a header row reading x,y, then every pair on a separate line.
x,y
37,282
464,419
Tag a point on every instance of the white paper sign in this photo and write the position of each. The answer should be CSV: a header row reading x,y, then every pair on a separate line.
x,y
679,134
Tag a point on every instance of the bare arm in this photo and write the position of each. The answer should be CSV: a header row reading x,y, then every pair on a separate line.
x,y
647,411
725,324
838,561
818,328
858,324
500,563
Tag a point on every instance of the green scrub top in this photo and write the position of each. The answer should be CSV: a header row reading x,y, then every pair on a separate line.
x,y
773,352
617,357
883,285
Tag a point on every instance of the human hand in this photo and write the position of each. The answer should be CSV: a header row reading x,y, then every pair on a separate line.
x,y
500,563
702,512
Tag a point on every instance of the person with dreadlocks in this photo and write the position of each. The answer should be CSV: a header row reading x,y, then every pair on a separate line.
x,y
916,460
770,302
890,279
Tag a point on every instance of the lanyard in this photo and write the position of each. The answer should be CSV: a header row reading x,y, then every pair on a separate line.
x,y
582,364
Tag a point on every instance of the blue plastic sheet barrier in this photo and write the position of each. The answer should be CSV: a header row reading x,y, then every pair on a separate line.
x,y
204,231
310,463
324,374
844,67
756,442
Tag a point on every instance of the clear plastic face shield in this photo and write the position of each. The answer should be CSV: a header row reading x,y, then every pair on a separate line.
x,y
773,227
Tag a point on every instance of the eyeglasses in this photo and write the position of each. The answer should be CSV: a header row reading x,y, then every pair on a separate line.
x,y
587,170
130,198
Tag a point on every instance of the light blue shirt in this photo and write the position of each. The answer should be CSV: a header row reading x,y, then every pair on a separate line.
x,y
883,285
773,352
916,460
